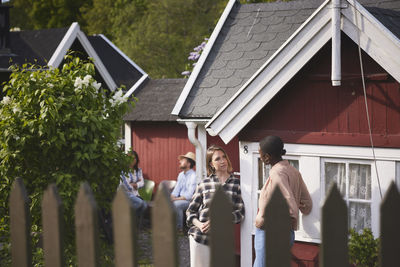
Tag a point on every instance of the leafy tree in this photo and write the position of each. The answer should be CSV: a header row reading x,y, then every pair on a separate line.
x,y
117,16
170,29
41,14
59,126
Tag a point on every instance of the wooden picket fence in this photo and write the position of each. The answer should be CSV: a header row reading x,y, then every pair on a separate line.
x,y
334,230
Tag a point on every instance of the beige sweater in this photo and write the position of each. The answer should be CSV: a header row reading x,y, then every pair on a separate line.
x,y
293,188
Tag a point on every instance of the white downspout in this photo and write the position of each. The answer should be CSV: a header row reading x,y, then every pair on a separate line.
x,y
128,136
336,43
199,151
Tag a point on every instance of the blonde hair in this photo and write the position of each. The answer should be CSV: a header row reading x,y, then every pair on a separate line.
x,y
210,153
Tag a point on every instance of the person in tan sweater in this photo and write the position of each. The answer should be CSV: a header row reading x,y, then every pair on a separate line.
x,y
292,186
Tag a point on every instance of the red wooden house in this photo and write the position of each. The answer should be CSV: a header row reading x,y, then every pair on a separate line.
x,y
294,69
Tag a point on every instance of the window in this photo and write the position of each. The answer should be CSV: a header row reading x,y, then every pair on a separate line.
x,y
398,174
263,170
354,182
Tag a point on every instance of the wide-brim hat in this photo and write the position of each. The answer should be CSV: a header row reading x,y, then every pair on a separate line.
x,y
189,155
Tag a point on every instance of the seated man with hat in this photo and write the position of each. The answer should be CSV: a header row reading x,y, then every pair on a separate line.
x,y
185,186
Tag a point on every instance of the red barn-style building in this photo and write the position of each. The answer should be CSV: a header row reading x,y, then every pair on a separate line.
x,y
293,69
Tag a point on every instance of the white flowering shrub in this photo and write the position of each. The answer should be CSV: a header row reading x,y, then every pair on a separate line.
x,y
59,126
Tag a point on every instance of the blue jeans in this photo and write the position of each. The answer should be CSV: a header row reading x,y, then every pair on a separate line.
x,y
259,247
139,204
180,207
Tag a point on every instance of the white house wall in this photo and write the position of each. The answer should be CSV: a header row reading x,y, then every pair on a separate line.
x,y
310,159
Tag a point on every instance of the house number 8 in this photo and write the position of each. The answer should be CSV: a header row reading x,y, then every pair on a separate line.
x,y
245,149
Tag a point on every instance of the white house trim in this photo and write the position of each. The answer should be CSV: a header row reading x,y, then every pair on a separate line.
x,y
97,61
123,54
136,85
141,80
197,68
66,43
293,55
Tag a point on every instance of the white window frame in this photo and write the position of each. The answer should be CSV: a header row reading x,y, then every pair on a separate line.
x,y
347,199
398,175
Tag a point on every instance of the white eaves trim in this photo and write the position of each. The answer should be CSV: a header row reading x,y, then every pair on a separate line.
x,y
374,38
197,68
318,23
143,78
65,44
136,85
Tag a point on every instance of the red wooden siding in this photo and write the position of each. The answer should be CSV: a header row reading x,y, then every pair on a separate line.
x,y
309,110
159,144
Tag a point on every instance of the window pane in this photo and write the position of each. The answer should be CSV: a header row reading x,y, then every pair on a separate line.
x,y
359,216
360,181
335,172
294,163
263,173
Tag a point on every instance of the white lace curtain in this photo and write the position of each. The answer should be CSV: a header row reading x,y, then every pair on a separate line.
x,y
355,187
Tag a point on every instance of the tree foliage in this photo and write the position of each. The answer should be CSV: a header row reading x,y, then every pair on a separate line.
x,y
59,126
41,14
156,34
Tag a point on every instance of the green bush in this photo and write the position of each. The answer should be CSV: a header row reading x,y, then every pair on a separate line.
x,y
59,126
363,248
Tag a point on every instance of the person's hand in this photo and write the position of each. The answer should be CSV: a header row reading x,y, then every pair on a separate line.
x,y
205,227
259,221
134,185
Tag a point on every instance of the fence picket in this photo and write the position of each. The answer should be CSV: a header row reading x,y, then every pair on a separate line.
x,y
390,221
52,218
125,231
164,230
334,230
20,225
277,231
86,228
221,231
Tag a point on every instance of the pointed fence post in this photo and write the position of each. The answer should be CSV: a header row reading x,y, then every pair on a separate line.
x,y
86,228
277,231
390,234
125,230
20,225
221,232
164,230
52,219
334,230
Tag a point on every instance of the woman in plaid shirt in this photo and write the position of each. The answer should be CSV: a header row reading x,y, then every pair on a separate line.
x,y
219,171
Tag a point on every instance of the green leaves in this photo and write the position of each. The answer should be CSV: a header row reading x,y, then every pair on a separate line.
x,y
59,126
363,248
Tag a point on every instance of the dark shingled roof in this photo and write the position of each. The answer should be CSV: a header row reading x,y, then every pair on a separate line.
x,y
28,46
156,100
249,37
122,71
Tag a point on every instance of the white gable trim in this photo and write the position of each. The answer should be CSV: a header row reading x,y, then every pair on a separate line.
x,y
142,79
294,54
65,44
199,65
374,38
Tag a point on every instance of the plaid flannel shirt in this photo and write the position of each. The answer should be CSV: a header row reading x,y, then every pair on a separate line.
x,y
200,204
